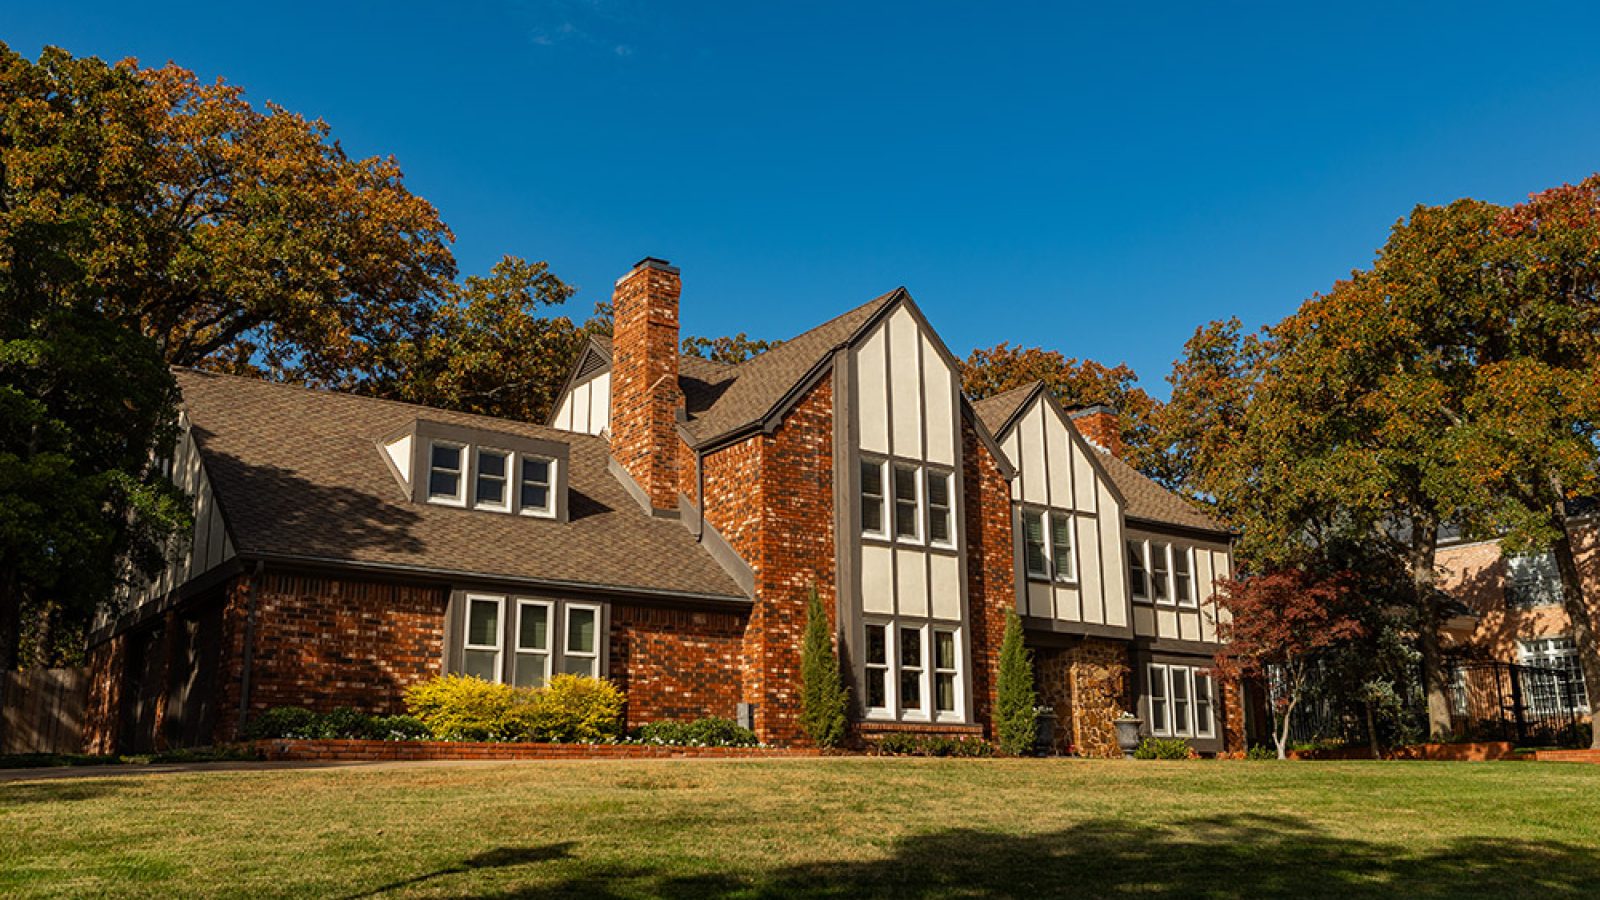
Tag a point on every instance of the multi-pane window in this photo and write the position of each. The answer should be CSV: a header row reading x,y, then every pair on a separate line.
x,y
911,669
1181,701
481,651
1138,572
524,641
581,650
1047,544
941,530
446,475
1557,683
532,666
1183,577
912,672
872,497
945,672
1160,572
1533,579
877,664
534,494
906,503
491,480
1033,552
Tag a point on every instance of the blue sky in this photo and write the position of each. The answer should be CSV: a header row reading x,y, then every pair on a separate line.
x,y
1098,179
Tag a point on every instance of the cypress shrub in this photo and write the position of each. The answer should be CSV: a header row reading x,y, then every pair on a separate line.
x,y
823,696
1016,720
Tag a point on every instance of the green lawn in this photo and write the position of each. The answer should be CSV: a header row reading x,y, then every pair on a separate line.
x,y
816,828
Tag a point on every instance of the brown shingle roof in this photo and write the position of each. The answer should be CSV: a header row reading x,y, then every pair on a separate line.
x,y
299,473
996,411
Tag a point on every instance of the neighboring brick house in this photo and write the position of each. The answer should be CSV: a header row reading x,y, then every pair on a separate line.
x,y
1515,613
665,530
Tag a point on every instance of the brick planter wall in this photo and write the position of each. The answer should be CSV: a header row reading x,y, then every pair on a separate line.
x,y
399,751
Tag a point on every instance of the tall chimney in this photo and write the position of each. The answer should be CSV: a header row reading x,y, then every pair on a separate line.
x,y
645,397
1101,426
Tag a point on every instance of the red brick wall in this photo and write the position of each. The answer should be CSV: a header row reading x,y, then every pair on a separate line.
x,y
771,498
676,664
645,396
1102,427
991,583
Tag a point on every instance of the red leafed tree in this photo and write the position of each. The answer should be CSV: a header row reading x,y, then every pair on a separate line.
x,y
1277,625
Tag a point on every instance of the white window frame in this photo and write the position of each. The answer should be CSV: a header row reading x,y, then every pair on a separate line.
x,y
959,694
566,645
498,647
893,488
1143,546
1159,678
1052,518
549,638
949,479
1185,553
548,511
505,479
918,713
1181,682
463,474
1543,653
1166,558
884,488
887,668
1207,727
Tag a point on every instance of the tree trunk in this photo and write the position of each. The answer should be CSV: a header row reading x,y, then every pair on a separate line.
x,y
1281,737
1372,732
1424,549
10,619
1577,607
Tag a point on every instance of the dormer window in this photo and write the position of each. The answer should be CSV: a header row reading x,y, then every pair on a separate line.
x,y
445,474
492,481
535,493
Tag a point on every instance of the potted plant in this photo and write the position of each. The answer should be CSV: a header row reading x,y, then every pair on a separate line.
x,y
1128,726
1044,734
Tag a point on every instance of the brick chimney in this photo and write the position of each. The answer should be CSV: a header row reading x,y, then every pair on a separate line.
x,y
645,397
1101,426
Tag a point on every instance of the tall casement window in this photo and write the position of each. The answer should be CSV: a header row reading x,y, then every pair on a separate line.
x,y
872,498
532,668
1533,579
492,488
447,474
1180,701
534,496
907,503
1047,545
525,640
1163,573
912,672
481,653
581,654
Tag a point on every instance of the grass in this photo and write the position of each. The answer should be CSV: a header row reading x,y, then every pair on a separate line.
x,y
815,829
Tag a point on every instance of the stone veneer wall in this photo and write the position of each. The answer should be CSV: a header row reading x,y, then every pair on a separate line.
x,y
771,498
991,574
1087,685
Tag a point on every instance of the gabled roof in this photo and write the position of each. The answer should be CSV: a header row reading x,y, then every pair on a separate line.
x,y
1143,499
298,473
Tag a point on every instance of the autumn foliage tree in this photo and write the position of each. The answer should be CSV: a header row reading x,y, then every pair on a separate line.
x,y
727,350
1277,628
1074,382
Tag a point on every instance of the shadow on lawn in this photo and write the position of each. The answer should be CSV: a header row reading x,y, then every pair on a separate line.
x,y
493,859
1227,856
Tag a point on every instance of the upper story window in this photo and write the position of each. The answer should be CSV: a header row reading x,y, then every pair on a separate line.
x,y
491,477
907,503
1047,545
1162,573
1533,579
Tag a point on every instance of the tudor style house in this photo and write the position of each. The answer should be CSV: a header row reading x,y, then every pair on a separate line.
x,y
665,531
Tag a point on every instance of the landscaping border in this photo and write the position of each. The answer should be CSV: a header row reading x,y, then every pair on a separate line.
x,y
1470,752
289,749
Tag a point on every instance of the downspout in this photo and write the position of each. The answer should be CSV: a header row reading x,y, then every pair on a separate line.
x,y
700,495
249,647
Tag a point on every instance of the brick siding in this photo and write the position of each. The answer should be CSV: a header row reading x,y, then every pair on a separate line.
x,y
991,580
645,397
676,664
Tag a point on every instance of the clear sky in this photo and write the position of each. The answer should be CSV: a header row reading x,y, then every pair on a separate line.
x,y
1098,179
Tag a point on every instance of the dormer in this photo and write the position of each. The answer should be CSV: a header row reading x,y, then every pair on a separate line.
x,y
479,469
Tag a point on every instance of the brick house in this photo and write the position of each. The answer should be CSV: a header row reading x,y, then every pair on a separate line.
x,y
665,530
1513,611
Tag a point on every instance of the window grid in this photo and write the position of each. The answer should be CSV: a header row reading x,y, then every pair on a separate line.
x,y
907,504
534,494
1138,571
1061,546
877,664
447,476
1181,702
912,672
531,667
491,480
941,529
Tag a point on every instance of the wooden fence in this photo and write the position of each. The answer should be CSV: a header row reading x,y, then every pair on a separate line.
x,y
41,710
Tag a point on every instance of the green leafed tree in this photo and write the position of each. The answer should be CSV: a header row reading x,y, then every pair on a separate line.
x,y
824,699
1016,721
727,350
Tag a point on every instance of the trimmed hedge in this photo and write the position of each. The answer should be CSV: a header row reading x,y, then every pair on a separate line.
x,y
345,723
708,732
1164,748
932,745
570,709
